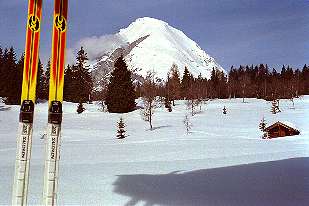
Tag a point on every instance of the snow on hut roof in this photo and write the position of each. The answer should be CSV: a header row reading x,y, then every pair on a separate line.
x,y
286,123
289,124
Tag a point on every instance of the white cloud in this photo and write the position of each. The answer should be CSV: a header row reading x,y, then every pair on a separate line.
x,y
70,57
95,46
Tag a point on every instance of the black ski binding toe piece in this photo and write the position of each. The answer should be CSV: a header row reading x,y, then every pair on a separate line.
x,y
26,111
55,113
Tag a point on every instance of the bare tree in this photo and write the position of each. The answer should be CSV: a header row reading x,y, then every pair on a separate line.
x,y
149,97
187,123
293,90
191,105
293,104
192,101
244,82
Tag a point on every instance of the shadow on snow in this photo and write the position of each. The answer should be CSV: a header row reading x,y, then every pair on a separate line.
x,y
284,182
159,127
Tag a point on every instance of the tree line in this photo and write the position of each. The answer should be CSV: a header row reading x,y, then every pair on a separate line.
x,y
243,82
11,75
77,87
261,82
249,81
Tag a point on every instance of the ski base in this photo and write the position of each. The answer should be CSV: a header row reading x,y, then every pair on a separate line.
x,y
52,154
22,164
51,171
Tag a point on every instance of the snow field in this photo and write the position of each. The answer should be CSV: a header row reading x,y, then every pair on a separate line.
x,y
165,166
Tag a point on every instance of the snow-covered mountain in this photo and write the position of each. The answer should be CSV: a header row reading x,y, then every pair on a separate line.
x,y
152,44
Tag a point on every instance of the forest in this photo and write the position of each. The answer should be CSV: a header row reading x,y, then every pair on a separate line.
x,y
245,81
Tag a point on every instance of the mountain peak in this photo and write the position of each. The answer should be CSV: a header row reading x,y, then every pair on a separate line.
x,y
144,26
147,20
164,46
153,44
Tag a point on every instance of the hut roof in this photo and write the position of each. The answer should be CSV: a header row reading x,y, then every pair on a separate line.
x,y
286,124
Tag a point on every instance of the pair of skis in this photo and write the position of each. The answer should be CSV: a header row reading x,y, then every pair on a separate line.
x,y
24,138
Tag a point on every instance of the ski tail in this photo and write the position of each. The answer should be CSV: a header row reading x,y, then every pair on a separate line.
x,y
52,144
24,138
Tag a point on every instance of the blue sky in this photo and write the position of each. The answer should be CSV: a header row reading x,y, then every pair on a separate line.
x,y
234,32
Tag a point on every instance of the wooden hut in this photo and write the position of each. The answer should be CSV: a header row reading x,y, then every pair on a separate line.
x,y
281,129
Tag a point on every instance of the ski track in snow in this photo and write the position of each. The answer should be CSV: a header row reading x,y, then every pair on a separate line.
x,y
223,161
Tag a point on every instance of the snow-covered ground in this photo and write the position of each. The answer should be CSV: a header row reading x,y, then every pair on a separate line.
x,y
222,162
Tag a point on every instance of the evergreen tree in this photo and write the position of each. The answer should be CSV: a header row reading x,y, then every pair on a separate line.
x,y
305,79
262,125
186,83
167,104
222,85
275,106
41,92
297,83
46,80
2,80
173,84
214,83
120,97
218,84
199,87
81,83
14,78
1,55
4,74
167,92
224,110
69,84
47,71
233,82
121,129
138,89
80,108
